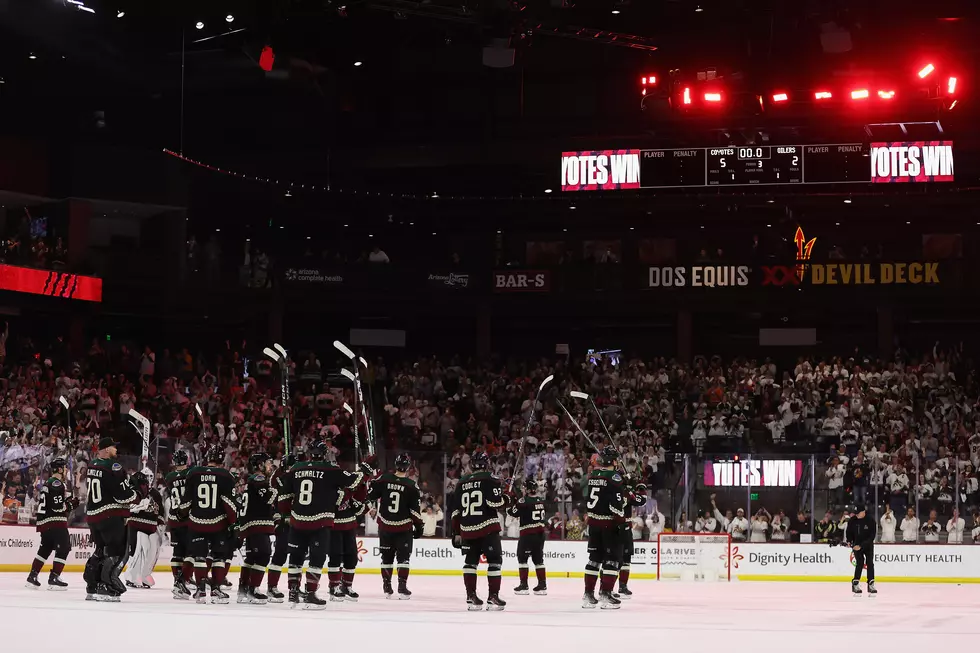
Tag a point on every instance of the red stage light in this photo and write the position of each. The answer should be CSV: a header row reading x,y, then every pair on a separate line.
x,y
926,71
780,97
951,85
860,94
886,95
823,95
650,79
266,58
712,97
687,95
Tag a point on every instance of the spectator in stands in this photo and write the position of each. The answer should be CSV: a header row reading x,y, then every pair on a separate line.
x,y
432,518
888,525
759,527
825,528
739,526
780,527
655,524
931,529
954,528
910,527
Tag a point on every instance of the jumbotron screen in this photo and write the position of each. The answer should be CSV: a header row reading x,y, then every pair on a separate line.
x,y
762,165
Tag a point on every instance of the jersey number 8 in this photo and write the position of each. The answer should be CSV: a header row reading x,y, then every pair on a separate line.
x,y
305,496
472,503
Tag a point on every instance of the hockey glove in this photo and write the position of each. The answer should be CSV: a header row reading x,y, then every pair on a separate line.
x,y
367,469
457,541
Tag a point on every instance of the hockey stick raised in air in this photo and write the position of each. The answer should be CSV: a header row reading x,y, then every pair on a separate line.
x,y
530,419
70,481
143,428
352,377
577,427
357,362
585,397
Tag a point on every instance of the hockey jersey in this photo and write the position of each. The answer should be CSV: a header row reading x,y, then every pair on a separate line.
x,y
476,501
147,515
531,513
399,503
351,507
209,499
176,482
313,491
108,493
53,506
606,499
257,507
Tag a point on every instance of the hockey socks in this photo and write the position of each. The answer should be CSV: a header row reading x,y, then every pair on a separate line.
x,y
624,575
333,577
245,578
348,577
541,574
187,570
402,574
312,579
522,572
608,581
37,564
255,576
469,579
57,567
493,579
274,574
591,576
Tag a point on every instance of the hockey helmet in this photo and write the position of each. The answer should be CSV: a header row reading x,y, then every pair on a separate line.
x,y
256,460
479,461
403,462
293,458
215,455
179,459
530,485
608,456
318,450
58,465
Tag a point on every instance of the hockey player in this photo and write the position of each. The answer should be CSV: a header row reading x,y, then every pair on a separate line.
x,y
181,563
607,497
476,530
54,506
399,518
108,495
636,495
860,534
211,510
144,542
343,546
313,492
530,510
255,527
280,554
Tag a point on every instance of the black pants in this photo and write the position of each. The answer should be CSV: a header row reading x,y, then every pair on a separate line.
x,y
281,553
57,540
315,543
531,546
487,546
258,550
343,551
179,540
395,546
626,535
105,565
203,545
865,556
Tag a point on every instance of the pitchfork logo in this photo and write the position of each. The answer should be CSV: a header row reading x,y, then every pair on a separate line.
x,y
804,248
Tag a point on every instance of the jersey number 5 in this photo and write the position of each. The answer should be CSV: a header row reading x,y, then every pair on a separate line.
x,y
593,497
472,503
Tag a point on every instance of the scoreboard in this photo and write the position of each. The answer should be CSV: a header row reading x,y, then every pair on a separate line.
x,y
758,165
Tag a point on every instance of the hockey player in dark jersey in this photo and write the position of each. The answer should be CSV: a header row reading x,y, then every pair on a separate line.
x,y
53,508
476,530
145,518
108,495
606,499
531,512
280,555
181,563
313,491
343,545
399,518
636,495
211,510
255,527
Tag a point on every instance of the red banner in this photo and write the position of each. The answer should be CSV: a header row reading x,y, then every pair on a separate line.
x,y
605,169
50,283
899,162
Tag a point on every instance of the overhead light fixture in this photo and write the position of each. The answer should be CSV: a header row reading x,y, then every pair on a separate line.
x,y
698,9
229,18
615,12
951,85
120,14
712,97
32,56
547,191
572,208
847,201
926,71
780,97
199,25
357,64
433,233
86,9
860,94
289,193
309,237
886,95
435,196
218,229
823,95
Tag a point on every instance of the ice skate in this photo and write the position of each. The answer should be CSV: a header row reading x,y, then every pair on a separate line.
x,y
386,588
473,602
313,602
609,601
522,589
275,596
856,588
255,597
32,582
55,584
540,590
495,603
624,593
201,594
403,593
180,591
589,601
872,590
219,596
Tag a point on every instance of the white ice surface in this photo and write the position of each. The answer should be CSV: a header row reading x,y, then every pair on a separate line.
x,y
682,617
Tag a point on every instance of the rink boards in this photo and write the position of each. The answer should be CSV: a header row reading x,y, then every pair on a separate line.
x,y
922,563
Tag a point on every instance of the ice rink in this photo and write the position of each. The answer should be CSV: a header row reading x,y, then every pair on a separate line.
x,y
682,616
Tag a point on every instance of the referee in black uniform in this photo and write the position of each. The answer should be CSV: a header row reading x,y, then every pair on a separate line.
x,y
860,534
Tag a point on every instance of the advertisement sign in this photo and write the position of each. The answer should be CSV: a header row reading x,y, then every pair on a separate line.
x,y
755,473
600,169
699,276
51,283
312,275
916,161
852,274
450,280
522,281
748,561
